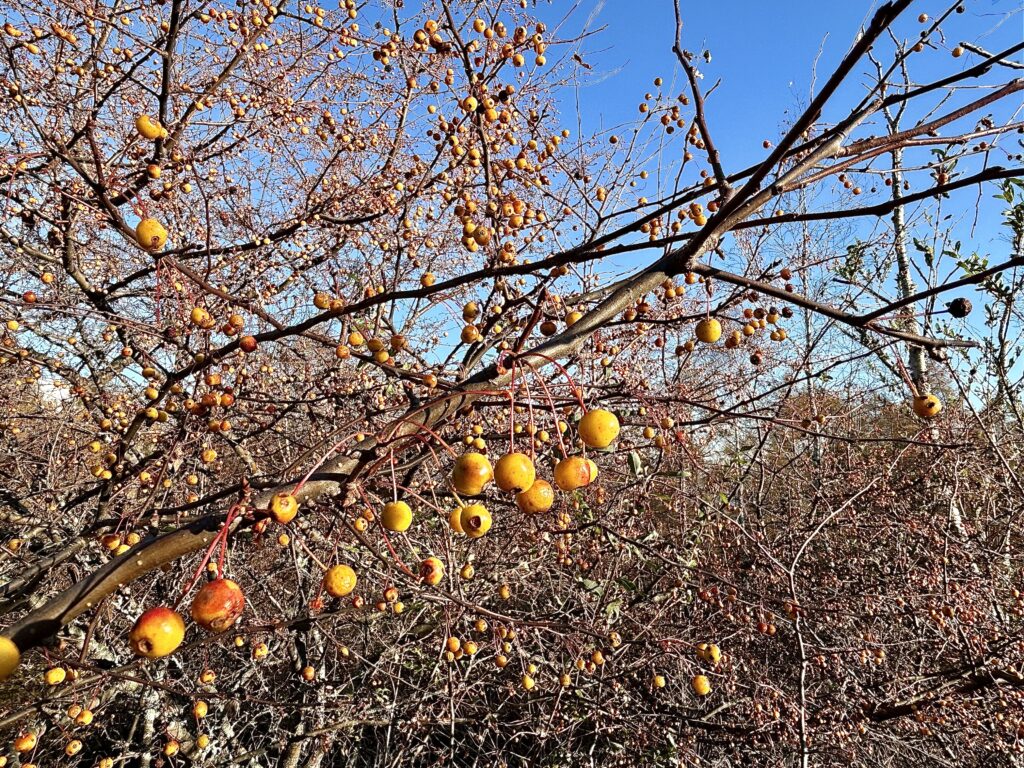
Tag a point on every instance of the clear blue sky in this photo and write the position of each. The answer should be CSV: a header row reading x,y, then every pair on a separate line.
x,y
764,53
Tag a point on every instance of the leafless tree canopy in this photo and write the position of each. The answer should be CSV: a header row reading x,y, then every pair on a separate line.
x,y
263,260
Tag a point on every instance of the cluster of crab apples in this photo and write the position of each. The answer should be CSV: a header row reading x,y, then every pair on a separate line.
x,y
219,603
513,473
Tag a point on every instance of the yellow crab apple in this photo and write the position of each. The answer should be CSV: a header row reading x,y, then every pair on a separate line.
x,y
340,580
471,474
599,428
514,472
157,632
572,472
218,604
713,653
455,520
10,657
536,499
26,742
927,406
200,317
475,520
149,128
397,516
709,330
284,507
701,685
432,571
151,234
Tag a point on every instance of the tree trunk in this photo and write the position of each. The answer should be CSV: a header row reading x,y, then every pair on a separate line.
x,y
917,362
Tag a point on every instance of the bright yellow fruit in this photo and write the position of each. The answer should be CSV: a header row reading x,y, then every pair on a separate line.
x,y
148,128
701,685
599,428
10,657
397,516
455,520
572,472
537,498
471,474
709,330
476,520
339,580
151,234
514,472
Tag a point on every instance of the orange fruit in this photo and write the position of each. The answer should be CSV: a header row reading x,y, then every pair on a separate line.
x,y
927,406
571,473
514,472
599,428
339,580
157,632
537,498
397,516
471,474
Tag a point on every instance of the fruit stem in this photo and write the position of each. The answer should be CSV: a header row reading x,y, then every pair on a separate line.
x,y
531,423
221,538
432,433
512,409
554,411
577,393
906,377
394,480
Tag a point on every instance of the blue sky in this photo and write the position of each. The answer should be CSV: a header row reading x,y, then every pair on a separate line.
x,y
764,53
766,56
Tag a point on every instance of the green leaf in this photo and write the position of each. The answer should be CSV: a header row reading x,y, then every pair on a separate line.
x,y
636,465
626,584
613,609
